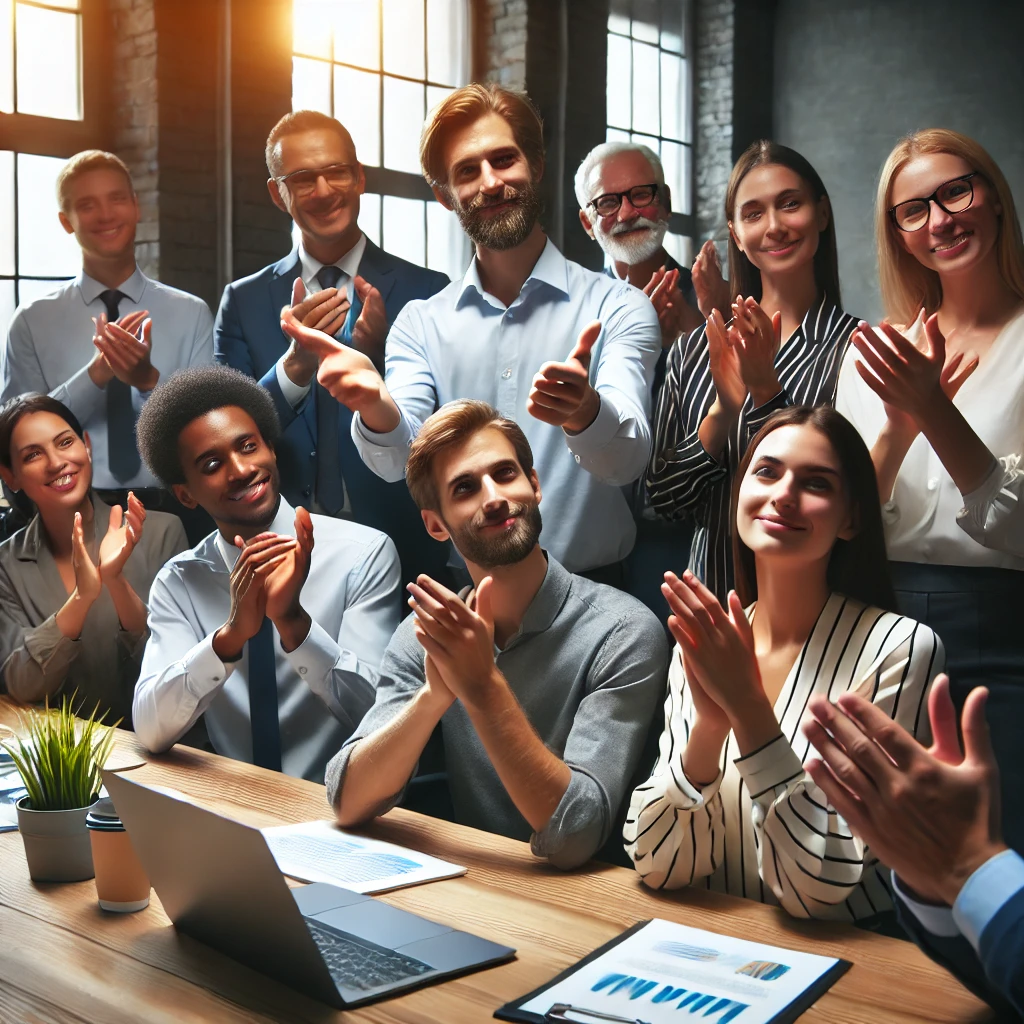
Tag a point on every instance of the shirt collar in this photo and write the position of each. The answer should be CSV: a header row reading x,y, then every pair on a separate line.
x,y
32,539
551,268
348,264
283,523
547,602
818,320
132,288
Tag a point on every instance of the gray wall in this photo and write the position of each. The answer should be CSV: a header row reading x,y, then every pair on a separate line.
x,y
851,76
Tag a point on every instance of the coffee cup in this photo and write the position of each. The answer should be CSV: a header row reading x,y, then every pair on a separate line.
x,y
121,883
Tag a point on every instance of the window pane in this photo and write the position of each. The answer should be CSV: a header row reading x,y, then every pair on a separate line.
x,y
435,94
676,161
6,217
312,21
403,38
645,88
618,81
6,59
404,229
403,120
7,303
673,96
673,25
311,85
446,35
447,245
357,34
48,62
645,20
44,248
369,216
618,17
29,290
71,5
616,135
357,107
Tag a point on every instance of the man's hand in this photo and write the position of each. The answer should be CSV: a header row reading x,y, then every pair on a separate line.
x,y
322,311
930,815
127,352
459,640
562,394
123,533
99,369
370,330
258,559
284,583
675,315
710,287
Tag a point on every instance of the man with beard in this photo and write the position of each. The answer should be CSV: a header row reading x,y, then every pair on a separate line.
x,y
563,351
544,682
277,644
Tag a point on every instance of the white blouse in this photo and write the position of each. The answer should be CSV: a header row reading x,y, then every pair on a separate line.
x,y
927,519
763,829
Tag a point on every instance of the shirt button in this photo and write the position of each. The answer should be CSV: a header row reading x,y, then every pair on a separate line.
x,y
576,457
933,483
506,373
216,679
312,454
307,491
302,670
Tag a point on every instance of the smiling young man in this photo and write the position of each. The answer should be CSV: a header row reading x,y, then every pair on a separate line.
x,y
337,280
277,643
101,342
544,682
563,351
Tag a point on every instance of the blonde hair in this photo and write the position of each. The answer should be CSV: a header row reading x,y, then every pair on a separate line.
x,y
906,284
468,104
81,163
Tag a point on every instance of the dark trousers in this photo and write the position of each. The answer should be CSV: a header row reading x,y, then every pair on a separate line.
x,y
978,614
155,499
661,545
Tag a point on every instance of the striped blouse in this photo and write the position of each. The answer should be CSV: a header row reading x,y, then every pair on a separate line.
x,y
762,829
683,479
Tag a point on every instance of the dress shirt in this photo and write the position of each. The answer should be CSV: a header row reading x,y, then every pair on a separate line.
x,y
762,829
587,666
49,348
926,518
37,659
351,594
683,479
464,343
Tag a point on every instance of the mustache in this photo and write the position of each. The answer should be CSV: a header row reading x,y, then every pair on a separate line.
x,y
480,201
510,508
632,225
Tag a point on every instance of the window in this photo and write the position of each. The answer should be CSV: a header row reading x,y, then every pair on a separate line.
x,y
379,66
649,98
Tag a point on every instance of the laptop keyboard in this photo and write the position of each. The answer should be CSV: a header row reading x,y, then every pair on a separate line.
x,y
357,965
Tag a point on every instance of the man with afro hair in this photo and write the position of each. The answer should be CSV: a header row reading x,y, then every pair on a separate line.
x,y
255,629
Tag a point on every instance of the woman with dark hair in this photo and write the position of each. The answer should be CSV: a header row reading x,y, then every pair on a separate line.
x,y
73,583
783,346
729,803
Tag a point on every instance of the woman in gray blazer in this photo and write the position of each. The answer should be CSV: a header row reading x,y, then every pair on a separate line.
x,y
74,582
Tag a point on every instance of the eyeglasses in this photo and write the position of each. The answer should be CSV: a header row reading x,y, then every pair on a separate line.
x,y
951,196
303,182
639,197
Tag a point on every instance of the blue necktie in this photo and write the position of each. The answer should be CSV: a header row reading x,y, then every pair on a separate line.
x,y
266,729
330,492
122,453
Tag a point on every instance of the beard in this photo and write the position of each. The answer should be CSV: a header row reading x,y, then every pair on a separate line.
x,y
507,229
631,250
508,548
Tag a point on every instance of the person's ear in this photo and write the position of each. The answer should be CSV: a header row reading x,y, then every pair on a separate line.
x,y
360,179
824,213
180,491
435,525
535,484
666,198
7,475
585,221
442,195
275,195
735,240
851,527
65,223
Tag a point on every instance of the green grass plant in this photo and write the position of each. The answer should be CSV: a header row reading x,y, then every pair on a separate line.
x,y
60,756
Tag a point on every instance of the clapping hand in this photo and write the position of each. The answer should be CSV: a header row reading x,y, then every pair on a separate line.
x,y
724,360
370,331
123,533
710,287
675,315
284,582
757,339
325,311
561,393
126,346
88,582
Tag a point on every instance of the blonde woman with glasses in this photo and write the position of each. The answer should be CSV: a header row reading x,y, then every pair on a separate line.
x,y
941,402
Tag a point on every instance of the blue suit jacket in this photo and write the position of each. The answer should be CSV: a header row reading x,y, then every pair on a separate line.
x,y
248,337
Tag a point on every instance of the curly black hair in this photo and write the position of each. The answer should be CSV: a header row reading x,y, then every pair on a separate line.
x,y
184,397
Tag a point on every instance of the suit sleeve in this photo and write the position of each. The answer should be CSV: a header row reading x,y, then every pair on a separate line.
x,y
229,345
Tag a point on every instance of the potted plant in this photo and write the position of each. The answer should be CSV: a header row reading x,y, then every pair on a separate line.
x,y
59,758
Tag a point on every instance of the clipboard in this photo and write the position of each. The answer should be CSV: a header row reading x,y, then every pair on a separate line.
x,y
791,1012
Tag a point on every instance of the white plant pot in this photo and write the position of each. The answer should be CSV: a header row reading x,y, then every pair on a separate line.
x,y
57,845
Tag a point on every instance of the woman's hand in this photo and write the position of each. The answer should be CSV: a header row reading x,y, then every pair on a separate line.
x,y
710,287
123,533
759,337
723,357
88,582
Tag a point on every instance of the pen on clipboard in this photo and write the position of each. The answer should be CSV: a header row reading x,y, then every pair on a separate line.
x,y
580,1015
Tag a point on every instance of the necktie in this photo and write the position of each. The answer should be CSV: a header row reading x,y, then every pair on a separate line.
x,y
122,453
266,729
330,492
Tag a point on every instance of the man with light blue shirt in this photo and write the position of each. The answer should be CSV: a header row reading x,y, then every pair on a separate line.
x,y
933,817
565,352
274,642
102,342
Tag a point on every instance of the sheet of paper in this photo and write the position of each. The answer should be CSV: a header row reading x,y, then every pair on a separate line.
x,y
318,851
668,972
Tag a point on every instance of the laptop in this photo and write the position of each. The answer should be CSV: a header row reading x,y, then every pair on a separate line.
x,y
219,883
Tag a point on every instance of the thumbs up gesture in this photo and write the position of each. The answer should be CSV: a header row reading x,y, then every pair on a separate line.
x,y
562,394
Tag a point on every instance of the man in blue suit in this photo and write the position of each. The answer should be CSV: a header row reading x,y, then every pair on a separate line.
x,y
932,816
338,281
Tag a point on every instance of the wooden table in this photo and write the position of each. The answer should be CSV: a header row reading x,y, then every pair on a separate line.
x,y
62,959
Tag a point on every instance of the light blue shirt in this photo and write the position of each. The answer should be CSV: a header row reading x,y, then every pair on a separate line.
x,y
324,686
49,348
465,343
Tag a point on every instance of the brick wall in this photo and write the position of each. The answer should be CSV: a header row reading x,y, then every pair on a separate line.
x,y
503,26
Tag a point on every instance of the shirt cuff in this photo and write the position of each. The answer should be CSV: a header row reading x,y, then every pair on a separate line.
x,y
772,765
397,438
293,393
984,893
204,671
604,427
317,655
46,640
756,418
934,919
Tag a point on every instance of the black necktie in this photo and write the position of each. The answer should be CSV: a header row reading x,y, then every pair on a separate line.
x,y
330,492
122,453
266,729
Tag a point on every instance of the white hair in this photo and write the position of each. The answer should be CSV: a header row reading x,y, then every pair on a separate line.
x,y
602,152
